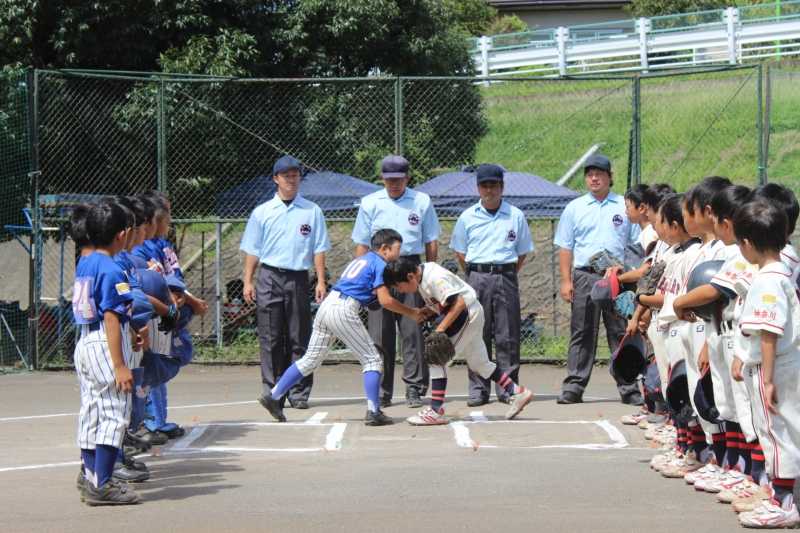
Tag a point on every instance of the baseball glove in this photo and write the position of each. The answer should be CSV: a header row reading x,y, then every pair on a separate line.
x,y
625,305
648,284
438,349
168,322
602,261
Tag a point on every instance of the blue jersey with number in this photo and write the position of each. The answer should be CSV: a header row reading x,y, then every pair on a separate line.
x,y
171,265
150,250
100,286
361,277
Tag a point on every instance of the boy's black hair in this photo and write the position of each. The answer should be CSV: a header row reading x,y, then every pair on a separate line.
x,y
159,198
149,208
130,215
671,210
725,203
654,195
384,237
635,194
138,207
701,194
398,271
104,221
77,225
762,223
782,198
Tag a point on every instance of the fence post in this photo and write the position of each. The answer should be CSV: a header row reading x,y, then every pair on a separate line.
x,y
398,116
562,34
767,118
731,20
643,26
637,130
161,139
218,285
762,165
553,276
32,81
485,44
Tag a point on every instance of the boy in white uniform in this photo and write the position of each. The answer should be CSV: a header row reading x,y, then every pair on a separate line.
x,y
768,358
446,295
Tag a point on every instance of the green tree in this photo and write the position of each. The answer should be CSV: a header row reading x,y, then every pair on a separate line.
x,y
654,8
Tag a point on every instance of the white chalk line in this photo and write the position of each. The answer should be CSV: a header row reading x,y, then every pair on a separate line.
x,y
248,402
463,439
478,416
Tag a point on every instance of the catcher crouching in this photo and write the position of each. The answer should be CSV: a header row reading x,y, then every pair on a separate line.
x,y
459,329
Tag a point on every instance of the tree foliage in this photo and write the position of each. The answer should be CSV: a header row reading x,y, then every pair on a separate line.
x,y
654,8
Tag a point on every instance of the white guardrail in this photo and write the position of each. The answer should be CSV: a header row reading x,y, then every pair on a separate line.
x,y
728,36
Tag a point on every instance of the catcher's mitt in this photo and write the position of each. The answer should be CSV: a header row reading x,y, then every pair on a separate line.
x,y
602,261
438,349
625,305
648,284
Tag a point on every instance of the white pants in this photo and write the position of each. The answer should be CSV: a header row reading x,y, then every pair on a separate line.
x,y
696,332
658,338
741,399
469,344
338,317
105,410
779,435
720,375
160,341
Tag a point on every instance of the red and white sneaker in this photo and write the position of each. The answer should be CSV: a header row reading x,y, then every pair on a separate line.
x,y
744,490
518,403
710,468
770,515
727,481
428,417
634,419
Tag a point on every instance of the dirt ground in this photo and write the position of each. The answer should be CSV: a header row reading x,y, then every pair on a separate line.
x,y
555,468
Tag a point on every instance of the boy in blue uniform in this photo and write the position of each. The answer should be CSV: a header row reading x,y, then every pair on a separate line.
x,y
103,356
360,285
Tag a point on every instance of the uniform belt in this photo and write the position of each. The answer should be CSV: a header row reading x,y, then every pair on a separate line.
x,y
589,270
94,326
491,268
283,270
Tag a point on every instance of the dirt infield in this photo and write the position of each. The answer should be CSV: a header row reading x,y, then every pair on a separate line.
x,y
557,468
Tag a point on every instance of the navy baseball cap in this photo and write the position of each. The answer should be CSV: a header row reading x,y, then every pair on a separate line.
x,y
597,161
285,163
489,172
394,166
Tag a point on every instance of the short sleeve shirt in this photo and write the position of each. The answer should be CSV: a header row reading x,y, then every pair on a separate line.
x,y
439,284
496,239
100,286
673,282
361,277
734,279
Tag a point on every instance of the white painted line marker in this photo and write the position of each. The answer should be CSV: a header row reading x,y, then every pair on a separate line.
x,y
189,439
461,433
333,441
478,416
317,418
463,439
36,467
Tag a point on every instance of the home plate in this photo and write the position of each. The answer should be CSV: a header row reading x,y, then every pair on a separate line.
x,y
538,434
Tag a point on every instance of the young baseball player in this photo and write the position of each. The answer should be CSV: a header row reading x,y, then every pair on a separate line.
x,y
360,285
77,231
462,320
768,358
636,211
783,198
100,303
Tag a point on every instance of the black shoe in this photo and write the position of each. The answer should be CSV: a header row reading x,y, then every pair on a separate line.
x,y
477,402
111,493
506,399
153,438
569,397
413,399
135,441
377,418
134,465
386,402
128,475
633,399
274,407
299,404
174,433
80,483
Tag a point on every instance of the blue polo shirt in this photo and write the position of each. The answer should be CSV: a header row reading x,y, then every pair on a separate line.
x,y
412,215
485,238
284,236
588,226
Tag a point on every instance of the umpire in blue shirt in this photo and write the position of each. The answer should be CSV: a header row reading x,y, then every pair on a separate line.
x,y
284,237
589,224
410,213
491,240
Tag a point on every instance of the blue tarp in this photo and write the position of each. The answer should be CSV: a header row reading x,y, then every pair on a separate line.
x,y
535,196
331,191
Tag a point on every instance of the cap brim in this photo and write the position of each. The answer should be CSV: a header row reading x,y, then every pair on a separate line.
x,y
391,175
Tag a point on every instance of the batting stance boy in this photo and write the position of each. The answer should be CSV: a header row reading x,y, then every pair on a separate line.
x,y
462,321
360,285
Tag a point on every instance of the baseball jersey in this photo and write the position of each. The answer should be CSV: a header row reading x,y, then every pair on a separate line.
x,y
588,226
100,286
734,279
647,236
286,236
171,265
150,252
361,277
790,258
709,251
771,305
496,239
673,281
438,285
412,215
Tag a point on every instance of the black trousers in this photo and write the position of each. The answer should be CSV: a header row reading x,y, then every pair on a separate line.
x,y
584,330
283,313
499,295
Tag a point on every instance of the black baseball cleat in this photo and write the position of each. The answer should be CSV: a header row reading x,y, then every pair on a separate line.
x,y
129,475
273,406
377,418
174,432
633,399
477,402
569,397
133,464
153,438
299,404
134,440
413,399
111,493
386,402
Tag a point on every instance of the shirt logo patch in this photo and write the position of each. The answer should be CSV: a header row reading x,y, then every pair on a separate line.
x,y
413,218
617,220
122,288
512,236
769,298
305,230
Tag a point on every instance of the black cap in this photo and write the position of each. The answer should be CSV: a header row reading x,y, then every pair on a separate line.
x,y
285,163
597,161
394,166
489,172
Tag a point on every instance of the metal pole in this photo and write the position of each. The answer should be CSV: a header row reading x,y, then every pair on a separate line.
x,y
562,35
637,129
161,140
218,285
485,43
553,276
643,25
767,120
398,116
731,18
33,139
203,278
762,166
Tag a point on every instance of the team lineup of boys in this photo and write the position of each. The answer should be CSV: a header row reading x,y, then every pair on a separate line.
x,y
128,319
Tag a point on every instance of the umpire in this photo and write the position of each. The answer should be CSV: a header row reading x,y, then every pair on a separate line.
x,y
410,213
589,224
491,240
284,235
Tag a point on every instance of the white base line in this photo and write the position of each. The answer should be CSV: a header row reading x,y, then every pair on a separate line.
x,y
36,467
478,416
316,418
230,449
463,438
187,441
333,441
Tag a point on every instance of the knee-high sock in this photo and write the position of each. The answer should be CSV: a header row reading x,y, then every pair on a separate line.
x,y
784,489
105,457
719,447
372,389
438,390
88,459
505,381
288,379
732,430
758,469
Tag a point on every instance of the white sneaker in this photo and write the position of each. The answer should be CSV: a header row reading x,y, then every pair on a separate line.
x,y
708,469
428,417
661,459
704,481
744,490
770,515
518,403
727,481
634,419
676,461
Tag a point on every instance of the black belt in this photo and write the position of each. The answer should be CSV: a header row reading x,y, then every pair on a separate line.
x,y
283,270
590,270
94,326
491,268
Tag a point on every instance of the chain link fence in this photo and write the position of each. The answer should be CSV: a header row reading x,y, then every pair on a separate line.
x,y
211,142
